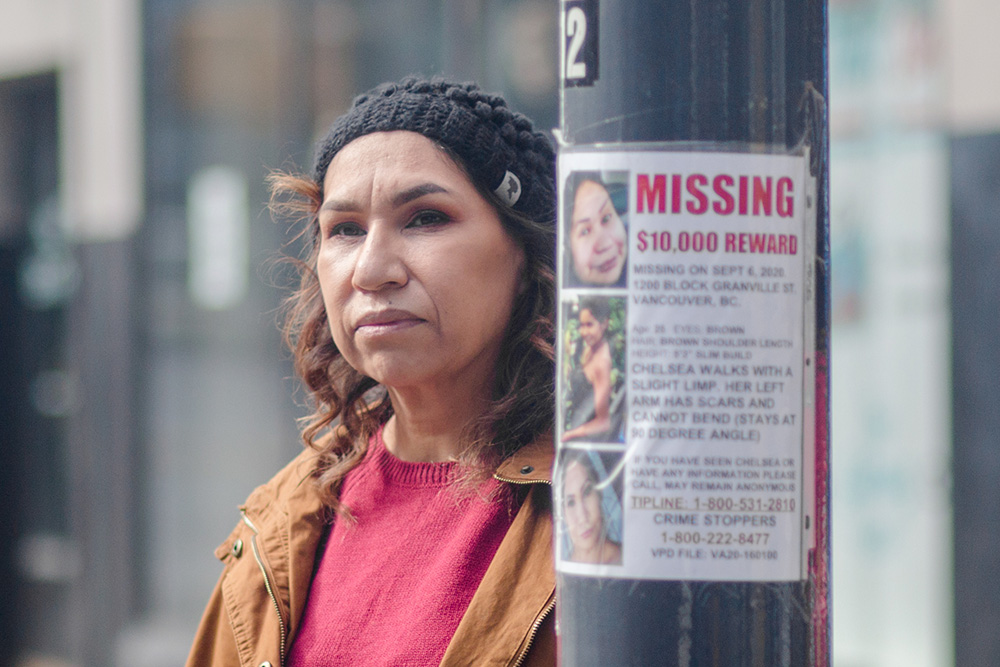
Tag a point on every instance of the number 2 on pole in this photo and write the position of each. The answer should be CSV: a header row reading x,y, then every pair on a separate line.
x,y
576,32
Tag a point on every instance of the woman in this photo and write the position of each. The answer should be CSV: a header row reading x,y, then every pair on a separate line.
x,y
598,242
418,530
583,513
590,384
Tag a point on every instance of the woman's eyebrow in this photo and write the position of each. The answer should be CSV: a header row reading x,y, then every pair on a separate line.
x,y
339,205
583,219
416,192
400,198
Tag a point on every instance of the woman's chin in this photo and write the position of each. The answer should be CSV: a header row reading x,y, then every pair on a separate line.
x,y
390,371
600,277
587,541
610,269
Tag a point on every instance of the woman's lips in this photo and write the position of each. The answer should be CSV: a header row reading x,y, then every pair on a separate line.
x,y
607,266
386,321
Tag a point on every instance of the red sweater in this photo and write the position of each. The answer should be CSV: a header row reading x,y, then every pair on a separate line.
x,y
392,586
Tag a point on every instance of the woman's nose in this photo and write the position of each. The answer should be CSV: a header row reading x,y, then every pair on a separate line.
x,y
602,240
379,262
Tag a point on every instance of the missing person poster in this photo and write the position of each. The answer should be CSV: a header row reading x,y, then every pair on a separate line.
x,y
685,379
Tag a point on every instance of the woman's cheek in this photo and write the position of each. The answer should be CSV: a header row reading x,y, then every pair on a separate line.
x,y
594,507
572,518
581,257
620,236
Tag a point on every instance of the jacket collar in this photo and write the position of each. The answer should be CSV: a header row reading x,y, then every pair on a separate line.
x,y
532,464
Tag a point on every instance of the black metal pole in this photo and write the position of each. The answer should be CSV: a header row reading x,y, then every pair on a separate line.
x,y
745,76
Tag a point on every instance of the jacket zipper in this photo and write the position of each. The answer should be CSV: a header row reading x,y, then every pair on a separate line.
x,y
522,482
523,654
267,585
534,631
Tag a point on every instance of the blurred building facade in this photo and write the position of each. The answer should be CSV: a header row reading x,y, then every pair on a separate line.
x,y
144,390
889,191
973,113
72,170
915,183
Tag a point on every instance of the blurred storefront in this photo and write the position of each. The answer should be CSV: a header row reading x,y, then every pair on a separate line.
x,y
71,162
892,593
145,387
915,177
144,390
973,111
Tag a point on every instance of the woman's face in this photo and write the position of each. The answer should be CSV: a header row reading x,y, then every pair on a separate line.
x,y
597,236
582,508
591,329
417,273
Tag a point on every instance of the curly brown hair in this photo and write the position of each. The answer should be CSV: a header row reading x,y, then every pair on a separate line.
x,y
522,400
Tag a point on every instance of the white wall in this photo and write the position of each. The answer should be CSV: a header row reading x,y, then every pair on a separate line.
x,y
95,47
971,53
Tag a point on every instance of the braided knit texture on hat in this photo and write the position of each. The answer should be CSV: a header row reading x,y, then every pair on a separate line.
x,y
490,139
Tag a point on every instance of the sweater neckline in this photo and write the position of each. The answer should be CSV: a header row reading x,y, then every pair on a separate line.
x,y
410,473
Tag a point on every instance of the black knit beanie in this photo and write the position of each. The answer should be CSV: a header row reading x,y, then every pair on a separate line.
x,y
498,147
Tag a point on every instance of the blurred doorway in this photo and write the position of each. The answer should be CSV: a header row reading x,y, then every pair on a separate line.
x,y
37,280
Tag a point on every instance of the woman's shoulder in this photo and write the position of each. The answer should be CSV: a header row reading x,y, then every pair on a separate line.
x,y
531,463
600,358
294,483
296,472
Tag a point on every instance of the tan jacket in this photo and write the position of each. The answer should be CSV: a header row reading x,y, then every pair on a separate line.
x,y
260,598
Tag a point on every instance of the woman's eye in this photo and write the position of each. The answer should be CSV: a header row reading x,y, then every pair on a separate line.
x,y
346,229
582,231
606,219
427,219
570,503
